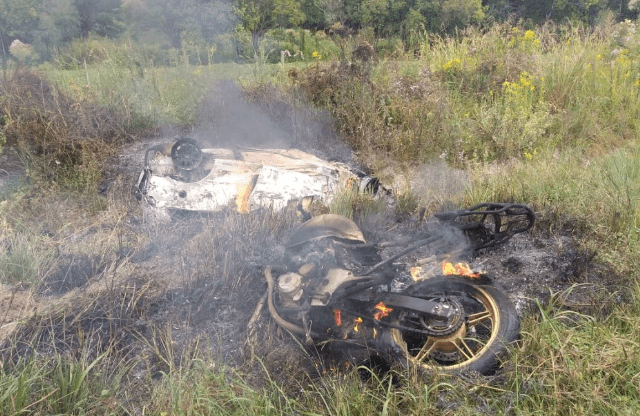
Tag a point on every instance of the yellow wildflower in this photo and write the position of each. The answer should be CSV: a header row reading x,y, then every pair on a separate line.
x,y
451,64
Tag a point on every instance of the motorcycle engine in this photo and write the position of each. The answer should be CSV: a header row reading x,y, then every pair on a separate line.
x,y
322,254
290,289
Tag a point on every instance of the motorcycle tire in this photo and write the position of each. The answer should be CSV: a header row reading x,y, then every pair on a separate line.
x,y
474,340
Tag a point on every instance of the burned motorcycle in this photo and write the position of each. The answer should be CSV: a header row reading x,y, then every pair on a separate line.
x,y
335,289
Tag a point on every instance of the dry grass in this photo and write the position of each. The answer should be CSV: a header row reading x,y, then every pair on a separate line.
x,y
61,140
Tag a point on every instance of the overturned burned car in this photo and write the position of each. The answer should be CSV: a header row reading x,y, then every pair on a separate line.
x,y
182,176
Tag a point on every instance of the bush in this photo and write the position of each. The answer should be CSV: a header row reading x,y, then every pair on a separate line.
x,y
62,140
399,115
23,52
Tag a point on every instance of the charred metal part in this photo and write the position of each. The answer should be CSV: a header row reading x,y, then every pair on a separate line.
x,y
331,283
140,186
447,322
290,289
454,321
490,224
418,244
327,226
186,154
289,326
251,325
184,177
306,323
307,269
438,310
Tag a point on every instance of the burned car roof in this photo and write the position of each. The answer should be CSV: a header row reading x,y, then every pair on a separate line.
x,y
184,176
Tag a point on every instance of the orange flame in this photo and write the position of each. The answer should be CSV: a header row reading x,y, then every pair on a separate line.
x,y
382,311
337,316
459,269
415,272
357,322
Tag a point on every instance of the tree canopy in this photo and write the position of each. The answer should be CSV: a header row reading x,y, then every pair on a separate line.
x,y
50,24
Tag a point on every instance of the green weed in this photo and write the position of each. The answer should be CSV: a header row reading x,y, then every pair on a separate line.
x,y
23,261
355,204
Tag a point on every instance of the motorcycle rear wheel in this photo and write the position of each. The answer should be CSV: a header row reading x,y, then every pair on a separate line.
x,y
488,325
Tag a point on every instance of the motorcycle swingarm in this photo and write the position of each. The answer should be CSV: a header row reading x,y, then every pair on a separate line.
x,y
433,309
490,224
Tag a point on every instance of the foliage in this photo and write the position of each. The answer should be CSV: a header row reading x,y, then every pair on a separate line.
x,y
102,17
18,20
23,52
61,140
259,16
22,262
170,23
602,193
59,24
356,205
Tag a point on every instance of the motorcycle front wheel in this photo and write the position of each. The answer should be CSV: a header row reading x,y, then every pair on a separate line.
x,y
474,338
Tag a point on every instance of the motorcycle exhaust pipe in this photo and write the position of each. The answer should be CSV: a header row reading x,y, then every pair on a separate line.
x,y
289,326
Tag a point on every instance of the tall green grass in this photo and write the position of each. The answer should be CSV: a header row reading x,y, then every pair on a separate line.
x,y
600,194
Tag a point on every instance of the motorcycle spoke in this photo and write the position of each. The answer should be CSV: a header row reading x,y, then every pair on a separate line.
x,y
465,349
476,318
425,350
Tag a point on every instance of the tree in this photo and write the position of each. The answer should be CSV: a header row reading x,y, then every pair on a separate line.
x,y
59,23
18,20
190,25
447,15
374,13
259,16
461,13
102,17
560,10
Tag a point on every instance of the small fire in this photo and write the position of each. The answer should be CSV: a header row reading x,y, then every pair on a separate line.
x,y
375,333
415,272
382,311
458,269
337,315
357,322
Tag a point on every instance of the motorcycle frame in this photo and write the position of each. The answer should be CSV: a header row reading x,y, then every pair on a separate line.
x,y
498,222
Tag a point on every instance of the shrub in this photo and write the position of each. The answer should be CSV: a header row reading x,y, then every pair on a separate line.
x,y
398,115
23,52
63,140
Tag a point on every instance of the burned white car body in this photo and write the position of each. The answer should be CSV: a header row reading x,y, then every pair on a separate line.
x,y
184,177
